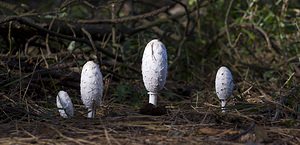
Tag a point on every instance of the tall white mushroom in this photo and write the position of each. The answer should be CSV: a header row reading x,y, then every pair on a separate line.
x,y
64,105
224,85
154,68
91,87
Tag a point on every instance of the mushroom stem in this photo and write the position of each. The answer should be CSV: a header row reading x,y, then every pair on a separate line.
x,y
92,111
152,98
223,104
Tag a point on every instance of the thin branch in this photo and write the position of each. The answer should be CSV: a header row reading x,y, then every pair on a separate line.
x,y
67,37
126,19
186,31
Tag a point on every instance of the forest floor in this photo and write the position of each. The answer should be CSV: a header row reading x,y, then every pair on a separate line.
x,y
183,124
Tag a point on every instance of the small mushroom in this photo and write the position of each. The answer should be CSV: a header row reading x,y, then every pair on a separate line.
x,y
224,85
154,68
64,105
91,87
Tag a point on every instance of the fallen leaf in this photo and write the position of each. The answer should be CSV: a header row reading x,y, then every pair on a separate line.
x,y
209,131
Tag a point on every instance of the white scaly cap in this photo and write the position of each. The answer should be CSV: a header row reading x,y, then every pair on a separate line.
x,y
224,85
154,68
64,105
91,87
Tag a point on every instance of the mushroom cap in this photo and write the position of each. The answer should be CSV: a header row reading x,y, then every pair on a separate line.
x,y
65,105
91,84
224,83
154,66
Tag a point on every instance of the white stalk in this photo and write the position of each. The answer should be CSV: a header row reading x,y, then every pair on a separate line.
x,y
92,110
152,98
223,105
91,113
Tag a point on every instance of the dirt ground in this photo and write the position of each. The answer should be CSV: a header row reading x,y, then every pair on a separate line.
x,y
183,124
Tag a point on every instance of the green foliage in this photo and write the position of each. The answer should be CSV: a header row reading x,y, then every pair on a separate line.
x,y
125,93
79,12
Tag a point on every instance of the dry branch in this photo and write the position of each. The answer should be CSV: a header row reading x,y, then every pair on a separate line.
x,y
127,19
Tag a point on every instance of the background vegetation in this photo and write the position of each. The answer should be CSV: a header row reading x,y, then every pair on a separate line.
x,y
43,45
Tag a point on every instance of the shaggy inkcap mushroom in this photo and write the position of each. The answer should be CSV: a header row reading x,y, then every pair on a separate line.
x,y
64,105
224,85
154,68
91,87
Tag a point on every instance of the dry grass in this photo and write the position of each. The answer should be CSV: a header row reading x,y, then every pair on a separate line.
x,y
183,124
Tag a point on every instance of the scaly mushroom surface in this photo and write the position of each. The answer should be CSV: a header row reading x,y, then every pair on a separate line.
x,y
64,105
224,85
91,87
154,68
